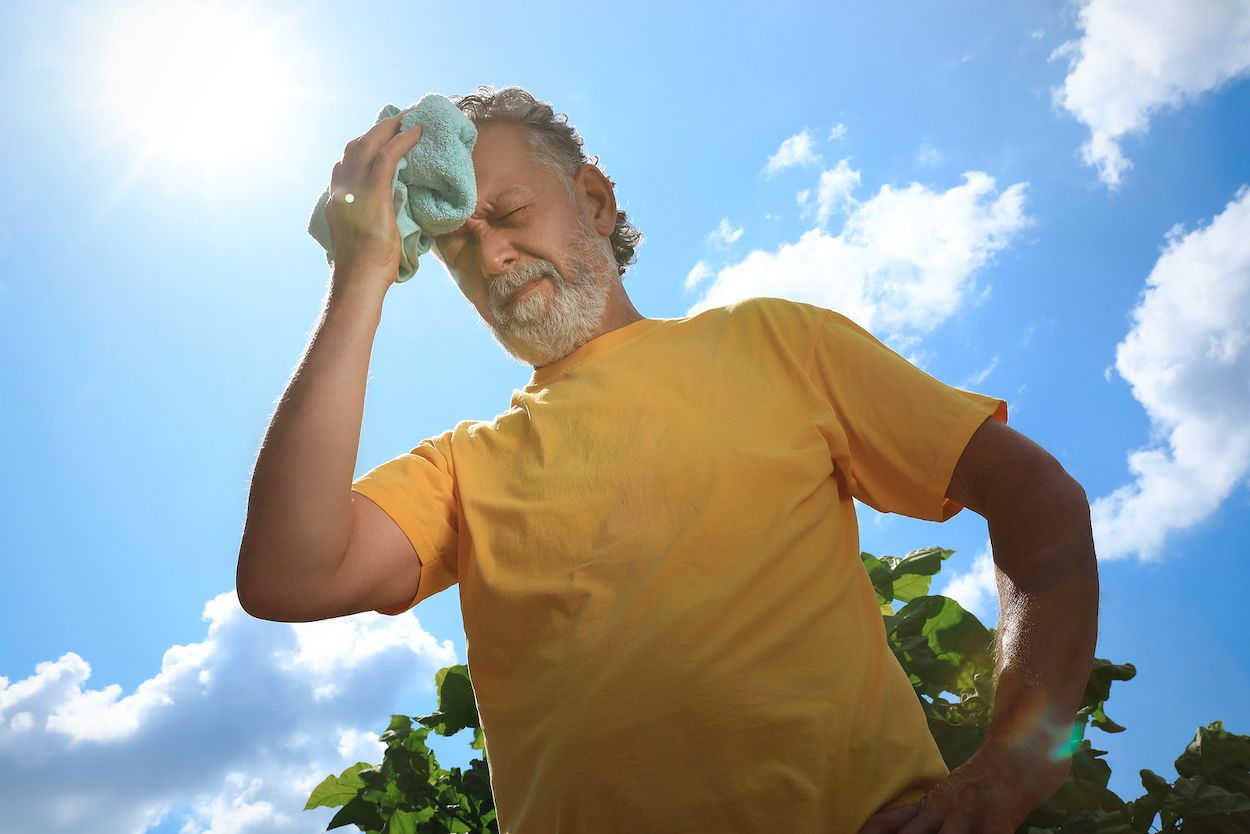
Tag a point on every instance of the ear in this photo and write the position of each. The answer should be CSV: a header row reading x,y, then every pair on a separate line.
x,y
594,191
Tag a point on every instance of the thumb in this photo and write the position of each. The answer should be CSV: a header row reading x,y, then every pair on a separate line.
x,y
888,822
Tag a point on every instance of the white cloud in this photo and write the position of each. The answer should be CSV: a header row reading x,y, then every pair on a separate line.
x,y
233,810
1187,359
833,193
229,737
920,358
977,588
697,274
1135,58
838,132
904,261
979,377
797,150
926,154
360,746
724,234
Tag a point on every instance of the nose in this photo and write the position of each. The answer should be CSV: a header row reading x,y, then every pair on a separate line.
x,y
494,248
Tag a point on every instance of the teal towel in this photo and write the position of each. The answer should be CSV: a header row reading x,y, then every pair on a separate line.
x,y
434,189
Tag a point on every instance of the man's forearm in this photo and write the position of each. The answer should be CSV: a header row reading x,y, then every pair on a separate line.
x,y
1048,625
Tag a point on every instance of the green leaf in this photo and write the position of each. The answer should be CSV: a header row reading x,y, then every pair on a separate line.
x,y
398,730
1217,755
1194,798
402,822
371,777
1142,812
910,586
912,574
1100,720
1155,785
350,778
330,794
939,643
358,812
337,790
457,707
955,632
879,573
1098,690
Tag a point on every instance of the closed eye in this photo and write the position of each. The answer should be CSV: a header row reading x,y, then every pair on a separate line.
x,y
502,217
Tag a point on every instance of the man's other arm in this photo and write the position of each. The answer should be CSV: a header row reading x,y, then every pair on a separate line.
x,y
1047,576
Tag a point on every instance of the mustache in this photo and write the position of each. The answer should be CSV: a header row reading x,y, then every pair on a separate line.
x,y
504,287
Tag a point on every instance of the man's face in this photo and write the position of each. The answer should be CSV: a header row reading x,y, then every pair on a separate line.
x,y
529,258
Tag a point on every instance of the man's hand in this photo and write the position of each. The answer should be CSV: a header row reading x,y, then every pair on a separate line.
x,y
361,212
990,793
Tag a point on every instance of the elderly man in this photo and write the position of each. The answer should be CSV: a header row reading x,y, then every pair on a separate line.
x,y
668,625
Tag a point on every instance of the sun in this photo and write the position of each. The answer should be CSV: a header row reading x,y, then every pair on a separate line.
x,y
200,86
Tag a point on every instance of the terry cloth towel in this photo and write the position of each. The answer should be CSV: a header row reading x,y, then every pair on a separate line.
x,y
434,189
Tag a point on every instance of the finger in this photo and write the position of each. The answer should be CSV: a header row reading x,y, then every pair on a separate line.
x,y
384,166
928,821
352,173
340,186
337,187
981,823
364,147
888,822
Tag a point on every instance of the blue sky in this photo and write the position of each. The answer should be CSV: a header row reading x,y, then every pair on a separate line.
x,y
1041,202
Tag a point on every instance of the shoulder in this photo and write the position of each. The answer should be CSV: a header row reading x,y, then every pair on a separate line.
x,y
758,324
780,319
770,310
765,305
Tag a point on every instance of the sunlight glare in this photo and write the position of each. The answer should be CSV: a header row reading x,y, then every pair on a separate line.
x,y
195,83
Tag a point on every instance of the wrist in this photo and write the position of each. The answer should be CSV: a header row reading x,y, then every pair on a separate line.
x,y
357,292
1040,740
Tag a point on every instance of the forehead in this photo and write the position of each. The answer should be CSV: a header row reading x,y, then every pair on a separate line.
x,y
503,167
502,161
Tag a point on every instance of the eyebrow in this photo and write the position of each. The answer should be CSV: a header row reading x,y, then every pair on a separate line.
x,y
508,192
499,198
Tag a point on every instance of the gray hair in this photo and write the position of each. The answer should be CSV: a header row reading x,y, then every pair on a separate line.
x,y
554,144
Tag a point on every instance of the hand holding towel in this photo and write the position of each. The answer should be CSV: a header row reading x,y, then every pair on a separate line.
x,y
434,188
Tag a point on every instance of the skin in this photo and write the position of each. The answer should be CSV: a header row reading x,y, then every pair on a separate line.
x,y
526,225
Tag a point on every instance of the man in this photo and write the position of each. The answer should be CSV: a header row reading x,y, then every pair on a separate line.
x,y
667,621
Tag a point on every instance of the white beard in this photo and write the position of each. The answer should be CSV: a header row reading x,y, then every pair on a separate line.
x,y
550,323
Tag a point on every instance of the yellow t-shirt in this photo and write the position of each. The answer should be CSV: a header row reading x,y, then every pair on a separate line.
x,y
668,625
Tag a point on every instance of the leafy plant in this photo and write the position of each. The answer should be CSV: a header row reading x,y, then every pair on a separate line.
x,y
409,793
945,651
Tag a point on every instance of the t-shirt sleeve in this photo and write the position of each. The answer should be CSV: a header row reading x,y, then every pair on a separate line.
x,y
418,491
898,431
